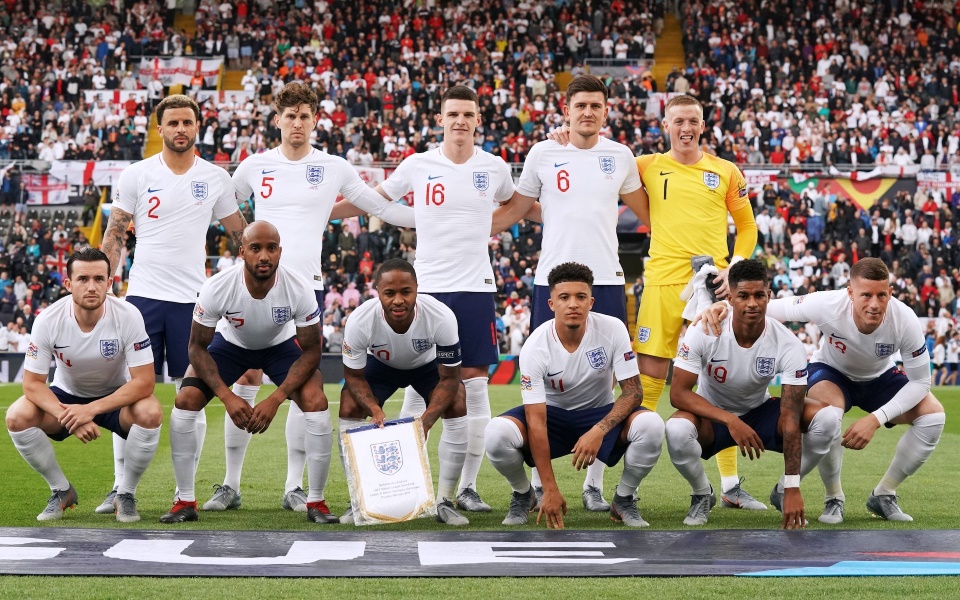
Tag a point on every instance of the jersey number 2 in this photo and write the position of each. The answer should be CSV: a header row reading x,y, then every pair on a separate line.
x,y
154,205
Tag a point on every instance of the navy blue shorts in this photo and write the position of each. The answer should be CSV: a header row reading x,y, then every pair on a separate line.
x,y
168,325
867,395
565,427
609,300
762,419
233,361
384,380
476,324
110,420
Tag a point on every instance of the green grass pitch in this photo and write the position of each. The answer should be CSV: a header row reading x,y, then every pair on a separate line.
x,y
929,497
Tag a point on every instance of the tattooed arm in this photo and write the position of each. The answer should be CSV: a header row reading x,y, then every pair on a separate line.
x,y
206,369
362,394
234,224
113,236
631,395
791,409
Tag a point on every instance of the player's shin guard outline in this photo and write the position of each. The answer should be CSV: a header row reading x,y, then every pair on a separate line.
x,y
645,438
319,443
914,448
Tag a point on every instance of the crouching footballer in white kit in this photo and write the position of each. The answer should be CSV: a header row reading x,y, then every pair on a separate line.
x,y
104,378
265,318
407,339
566,367
732,405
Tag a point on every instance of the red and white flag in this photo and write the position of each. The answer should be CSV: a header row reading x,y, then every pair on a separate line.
x,y
46,189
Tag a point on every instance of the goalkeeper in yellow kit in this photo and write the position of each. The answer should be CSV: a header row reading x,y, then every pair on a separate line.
x,y
690,194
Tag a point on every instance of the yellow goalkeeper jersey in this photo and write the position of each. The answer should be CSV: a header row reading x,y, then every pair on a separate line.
x,y
688,212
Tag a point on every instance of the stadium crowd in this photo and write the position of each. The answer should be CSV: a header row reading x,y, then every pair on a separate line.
x,y
783,84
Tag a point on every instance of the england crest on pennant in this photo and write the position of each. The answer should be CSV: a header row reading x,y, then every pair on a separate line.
x,y
199,190
608,164
281,314
420,346
884,350
712,180
481,180
597,358
314,174
387,457
109,348
766,366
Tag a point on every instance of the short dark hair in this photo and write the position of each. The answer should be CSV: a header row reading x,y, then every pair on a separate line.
x,y
294,94
87,254
569,271
871,269
177,101
459,92
394,264
748,270
586,83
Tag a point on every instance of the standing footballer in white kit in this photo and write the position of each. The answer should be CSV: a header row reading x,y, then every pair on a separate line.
x,y
456,187
294,187
171,198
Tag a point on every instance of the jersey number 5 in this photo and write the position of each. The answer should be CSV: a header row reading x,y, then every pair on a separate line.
x,y
266,185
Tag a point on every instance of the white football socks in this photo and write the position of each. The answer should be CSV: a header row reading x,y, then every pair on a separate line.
x,y
35,448
452,452
236,440
504,443
645,437
318,443
685,453
913,449
141,446
478,416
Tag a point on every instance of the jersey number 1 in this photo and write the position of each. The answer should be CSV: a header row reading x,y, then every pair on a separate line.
x,y
665,188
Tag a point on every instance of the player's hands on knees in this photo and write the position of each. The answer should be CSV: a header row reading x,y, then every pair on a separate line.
x,y
746,438
711,318
263,414
586,449
86,432
793,515
560,135
238,409
858,435
553,507
75,415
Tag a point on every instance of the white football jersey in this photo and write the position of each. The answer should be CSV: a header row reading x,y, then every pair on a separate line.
x,y
859,357
171,214
735,378
92,364
580,379
256,324
297,197
579,191
432,335
454,207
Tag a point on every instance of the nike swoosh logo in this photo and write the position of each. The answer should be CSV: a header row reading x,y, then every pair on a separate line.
x,y
153,191
378,346
558,165
713,360
56,347
236,312
833,335
432,177
552,374
667,173
266,172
